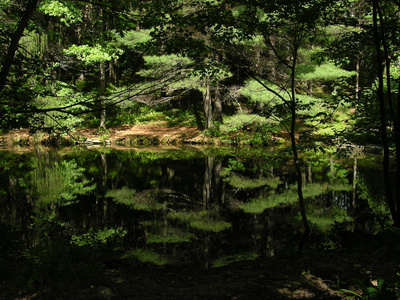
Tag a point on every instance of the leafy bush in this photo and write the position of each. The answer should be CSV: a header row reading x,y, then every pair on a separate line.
x,y
241,121
180,117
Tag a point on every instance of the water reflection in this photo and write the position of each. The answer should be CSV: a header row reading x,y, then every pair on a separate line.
x,y
186,207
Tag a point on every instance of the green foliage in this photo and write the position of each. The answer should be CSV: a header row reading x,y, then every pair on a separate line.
x,y
256,92
150,115
382,290
324,72
4,4
273,98
180,117
211,70
139,113
60,121
132,39
91,54
65,10
241,121
159,66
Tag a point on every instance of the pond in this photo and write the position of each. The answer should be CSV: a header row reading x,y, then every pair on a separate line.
x,y
77,211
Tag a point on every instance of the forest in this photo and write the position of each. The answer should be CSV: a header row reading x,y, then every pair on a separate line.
x,y
304,75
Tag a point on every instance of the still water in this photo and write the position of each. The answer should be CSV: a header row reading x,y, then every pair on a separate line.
x,y
184,207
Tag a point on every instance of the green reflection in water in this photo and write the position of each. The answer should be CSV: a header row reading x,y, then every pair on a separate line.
x,y
139,201
58,182
325,218
290,196
203,220
242,182
144,255
169,237
226,260
161,232
99,236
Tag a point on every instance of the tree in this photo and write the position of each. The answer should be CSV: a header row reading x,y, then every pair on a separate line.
x,y
385,18
284,28
96,55
372,25
30,79
12,48
188,28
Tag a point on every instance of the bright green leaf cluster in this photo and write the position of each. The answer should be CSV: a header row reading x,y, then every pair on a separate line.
x,y
68,14
91,54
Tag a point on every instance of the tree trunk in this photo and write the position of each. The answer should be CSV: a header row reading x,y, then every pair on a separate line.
x,y
309,173
217,115
8,59
114,72
296,155
208,113
382,114
101,96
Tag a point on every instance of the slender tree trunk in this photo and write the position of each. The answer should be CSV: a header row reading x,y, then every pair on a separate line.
x,y
114,72
8,59
397,143
296,155
208,104
217,114
358,79
382,114
102,96
309,173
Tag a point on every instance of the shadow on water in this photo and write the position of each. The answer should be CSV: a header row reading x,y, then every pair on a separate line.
x,y
67,218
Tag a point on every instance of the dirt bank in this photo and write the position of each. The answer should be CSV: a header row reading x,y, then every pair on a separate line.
x,y
158,133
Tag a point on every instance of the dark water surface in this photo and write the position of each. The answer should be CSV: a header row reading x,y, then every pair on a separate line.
x,y
184,207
